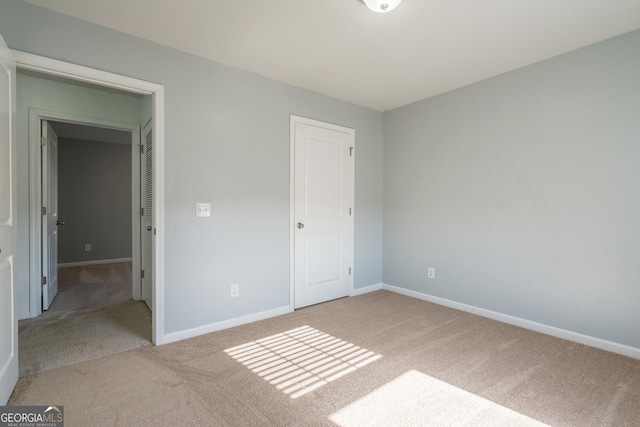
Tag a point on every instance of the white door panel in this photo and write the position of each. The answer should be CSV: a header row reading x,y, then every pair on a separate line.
x,y
50,218
323,167
323,221
326,252
8,313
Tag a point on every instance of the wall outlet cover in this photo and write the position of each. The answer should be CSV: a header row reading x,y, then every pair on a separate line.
x,y
203,210
235,290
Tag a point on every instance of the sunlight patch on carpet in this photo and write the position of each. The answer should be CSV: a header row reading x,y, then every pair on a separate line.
x,y
414,398
301,360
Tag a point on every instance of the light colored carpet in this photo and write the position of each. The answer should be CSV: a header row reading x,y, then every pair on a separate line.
x,y
426,365
92,286
415,397
92,316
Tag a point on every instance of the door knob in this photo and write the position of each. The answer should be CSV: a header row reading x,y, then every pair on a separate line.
x,y
300,225
58,222
148,228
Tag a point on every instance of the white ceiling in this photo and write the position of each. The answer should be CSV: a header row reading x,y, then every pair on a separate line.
x,y
382,61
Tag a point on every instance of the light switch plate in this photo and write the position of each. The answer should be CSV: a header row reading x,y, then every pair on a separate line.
x,y
203,210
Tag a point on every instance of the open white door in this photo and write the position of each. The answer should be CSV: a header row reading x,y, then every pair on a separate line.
x,y
8,312
323,211
146,182
49,214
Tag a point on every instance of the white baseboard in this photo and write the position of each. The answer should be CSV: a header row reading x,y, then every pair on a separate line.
x,y
94,262
366,290
613,347
213,327
238,321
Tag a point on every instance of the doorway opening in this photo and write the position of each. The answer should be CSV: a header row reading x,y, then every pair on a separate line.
x,y
87,76
90,244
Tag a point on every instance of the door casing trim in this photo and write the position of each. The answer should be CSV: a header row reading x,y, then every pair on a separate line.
x,y
36,116
27,61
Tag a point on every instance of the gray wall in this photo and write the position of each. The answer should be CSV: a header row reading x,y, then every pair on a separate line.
x,y
523,192
94,196
53,95
226,142
520,190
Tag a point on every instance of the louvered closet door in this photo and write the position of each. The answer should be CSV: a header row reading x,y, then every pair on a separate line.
x,y
147,221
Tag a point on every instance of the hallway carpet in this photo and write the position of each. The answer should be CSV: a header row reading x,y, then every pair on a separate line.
x,y
92,316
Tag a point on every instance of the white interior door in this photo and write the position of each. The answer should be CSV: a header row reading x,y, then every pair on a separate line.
x,y
49,214
8,312
323,211
146,181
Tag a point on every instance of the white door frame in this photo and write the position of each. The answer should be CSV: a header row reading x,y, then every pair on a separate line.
x,y
27,61
292,158
35,189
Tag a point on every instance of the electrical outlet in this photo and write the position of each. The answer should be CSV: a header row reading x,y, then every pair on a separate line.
x,y
203,210
87,247
235,290
431,273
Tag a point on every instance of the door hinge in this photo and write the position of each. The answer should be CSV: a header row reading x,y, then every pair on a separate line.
x,y
43,141
349,211
141,148
141,211
351,151
44,280
44,210
142,274
349,271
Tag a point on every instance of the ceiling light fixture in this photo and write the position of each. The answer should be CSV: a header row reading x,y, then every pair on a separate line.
x,y
381,6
